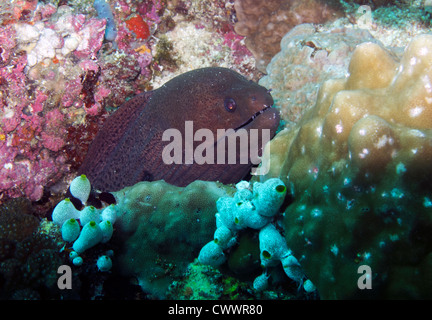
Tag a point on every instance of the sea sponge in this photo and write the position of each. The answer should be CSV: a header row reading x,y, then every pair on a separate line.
x,y
88,214
77,261
264,23
212,254
70,230
104,263
269,197
104,12
63,211
261,282
359,167
272,246
109,214
237,213
91,234
107,230
223,237
80,188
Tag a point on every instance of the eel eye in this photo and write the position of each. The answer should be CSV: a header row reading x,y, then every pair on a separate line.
x,y
230,104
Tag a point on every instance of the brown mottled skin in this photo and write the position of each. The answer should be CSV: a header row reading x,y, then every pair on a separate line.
x,y
129,146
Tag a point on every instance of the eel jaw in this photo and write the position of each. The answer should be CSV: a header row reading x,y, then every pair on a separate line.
x,y
253,117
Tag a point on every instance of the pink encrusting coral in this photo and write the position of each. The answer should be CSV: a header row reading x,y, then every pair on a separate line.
x,y
25,166
54,78
91,35
26,173
236,44
53,133
61,75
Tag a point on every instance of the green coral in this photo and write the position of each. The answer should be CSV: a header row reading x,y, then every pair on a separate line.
x,y
162,228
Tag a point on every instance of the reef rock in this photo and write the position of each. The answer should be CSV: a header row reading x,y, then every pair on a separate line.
x,y
264,23
307,59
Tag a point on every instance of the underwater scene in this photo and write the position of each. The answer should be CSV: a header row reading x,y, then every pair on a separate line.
x,y
215,150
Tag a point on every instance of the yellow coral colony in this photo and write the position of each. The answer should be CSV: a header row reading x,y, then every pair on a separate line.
x,y
376,121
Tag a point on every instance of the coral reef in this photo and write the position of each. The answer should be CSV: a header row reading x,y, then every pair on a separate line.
x,y
38,53
173,223
211,39
64,68
29,253
358,165
23,153
264,23
203,282
61,74
308,58
162,228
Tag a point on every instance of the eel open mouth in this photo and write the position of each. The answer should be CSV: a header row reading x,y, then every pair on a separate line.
x,y
253,117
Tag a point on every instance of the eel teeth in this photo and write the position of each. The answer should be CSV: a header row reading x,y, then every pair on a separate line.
x,y
253,117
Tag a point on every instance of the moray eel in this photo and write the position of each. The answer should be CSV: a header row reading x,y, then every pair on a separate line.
x,y
129,147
